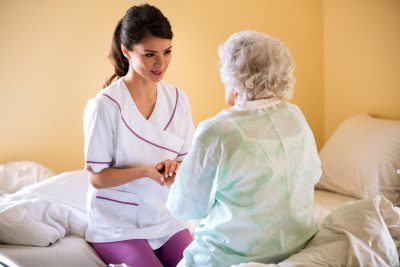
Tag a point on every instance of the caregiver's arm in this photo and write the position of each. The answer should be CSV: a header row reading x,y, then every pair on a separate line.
x,y
110,177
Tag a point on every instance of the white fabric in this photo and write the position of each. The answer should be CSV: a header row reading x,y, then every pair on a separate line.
x,y
38,222
251,173
41,214
325,202
18,174
362,233
68,188
70,251
7,261
117,135
361,159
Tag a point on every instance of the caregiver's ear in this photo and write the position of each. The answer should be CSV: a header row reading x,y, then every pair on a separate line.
x,y
125,51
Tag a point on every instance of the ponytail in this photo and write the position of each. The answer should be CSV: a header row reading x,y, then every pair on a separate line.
x,y
119,61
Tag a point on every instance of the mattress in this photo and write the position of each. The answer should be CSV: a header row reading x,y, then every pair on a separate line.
x,y
66,252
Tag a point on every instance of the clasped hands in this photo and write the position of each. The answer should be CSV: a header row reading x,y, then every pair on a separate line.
x,y
165,171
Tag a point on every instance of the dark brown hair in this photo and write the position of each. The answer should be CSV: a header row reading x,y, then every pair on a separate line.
x,y
138,23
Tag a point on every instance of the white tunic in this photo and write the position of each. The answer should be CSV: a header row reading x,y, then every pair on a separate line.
x,y
117,135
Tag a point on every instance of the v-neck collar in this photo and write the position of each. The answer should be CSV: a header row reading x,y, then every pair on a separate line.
x,y
137,125
133,103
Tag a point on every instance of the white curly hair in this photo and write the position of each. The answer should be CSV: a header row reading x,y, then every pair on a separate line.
x,y
256,66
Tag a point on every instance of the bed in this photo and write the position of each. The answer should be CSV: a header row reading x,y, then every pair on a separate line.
x,y
42,215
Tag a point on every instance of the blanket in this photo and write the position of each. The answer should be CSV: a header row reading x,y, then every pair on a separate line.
x,y
363,233
43,213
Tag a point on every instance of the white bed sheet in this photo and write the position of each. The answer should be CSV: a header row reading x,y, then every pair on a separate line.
x,y
66,252
325,202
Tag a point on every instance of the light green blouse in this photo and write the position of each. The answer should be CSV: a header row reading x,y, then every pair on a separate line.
x,y
251,173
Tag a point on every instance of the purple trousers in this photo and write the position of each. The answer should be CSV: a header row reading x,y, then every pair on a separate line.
x,y
138,252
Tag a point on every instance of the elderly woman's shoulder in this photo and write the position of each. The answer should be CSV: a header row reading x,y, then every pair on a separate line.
x,y
221,124
296,109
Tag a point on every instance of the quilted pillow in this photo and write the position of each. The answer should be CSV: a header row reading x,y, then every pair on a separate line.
x,y
362,159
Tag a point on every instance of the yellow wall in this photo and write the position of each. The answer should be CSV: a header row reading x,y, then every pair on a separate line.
x,y
361,60
53,59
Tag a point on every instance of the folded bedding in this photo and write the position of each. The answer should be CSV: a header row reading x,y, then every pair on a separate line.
x,y
45,212
38,222
363,233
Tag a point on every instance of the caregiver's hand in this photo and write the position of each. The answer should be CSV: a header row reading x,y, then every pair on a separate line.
x,y
153,173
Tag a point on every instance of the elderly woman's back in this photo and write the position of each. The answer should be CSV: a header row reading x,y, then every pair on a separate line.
x,y
251,171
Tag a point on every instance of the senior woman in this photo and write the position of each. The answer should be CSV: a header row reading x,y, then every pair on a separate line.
x,y
252,168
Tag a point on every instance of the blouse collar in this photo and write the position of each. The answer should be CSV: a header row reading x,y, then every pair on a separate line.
x,y
255,104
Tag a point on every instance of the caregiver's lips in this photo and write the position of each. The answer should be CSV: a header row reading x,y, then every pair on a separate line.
x,y
156,72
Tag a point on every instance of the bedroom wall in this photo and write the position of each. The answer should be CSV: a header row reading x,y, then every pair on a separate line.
x,y
361,60
53,59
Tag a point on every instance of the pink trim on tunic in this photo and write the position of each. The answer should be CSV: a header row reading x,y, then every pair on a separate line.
x,y
114,200
137,135
173,112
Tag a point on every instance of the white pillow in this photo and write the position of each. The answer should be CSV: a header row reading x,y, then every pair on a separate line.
x,y
18,174
362,157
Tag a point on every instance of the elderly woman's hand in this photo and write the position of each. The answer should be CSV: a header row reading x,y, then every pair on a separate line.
x,y
169,181
168,167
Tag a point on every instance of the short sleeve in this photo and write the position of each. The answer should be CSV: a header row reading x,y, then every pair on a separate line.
x,y
188,129
192,195
98,133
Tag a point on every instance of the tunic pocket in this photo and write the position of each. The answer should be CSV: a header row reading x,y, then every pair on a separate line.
x,y
116,208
